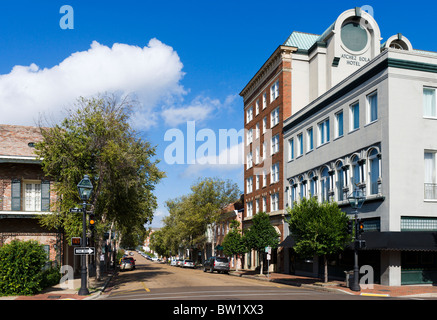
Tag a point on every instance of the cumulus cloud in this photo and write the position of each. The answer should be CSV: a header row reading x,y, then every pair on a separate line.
x,y
151,73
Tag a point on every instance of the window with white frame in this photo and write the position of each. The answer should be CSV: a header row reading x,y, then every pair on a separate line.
x,y
256,155
257,181
274,202
274,91
264,204
290,149
354,116
372,107
274,174
249,160
32,196
339,124
256,107
264,178
429,102
293,193
324,136
340,181
325,182
264,100
310,140
249,136
249,207
302,188
430,176
275,144
249,184
264,151
374,171
257,131
256,206
264,125
274,117
313,184
249,114
299,144
357,168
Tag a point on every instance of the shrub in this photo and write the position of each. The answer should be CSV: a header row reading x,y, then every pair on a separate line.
x,y
50,277
21,264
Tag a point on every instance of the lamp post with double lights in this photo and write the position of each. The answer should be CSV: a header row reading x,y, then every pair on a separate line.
x,y
356,200
85,189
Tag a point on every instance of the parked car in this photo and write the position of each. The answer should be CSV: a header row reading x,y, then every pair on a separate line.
x,y
173,263
219,264
126,264
132,260
179,262
187,263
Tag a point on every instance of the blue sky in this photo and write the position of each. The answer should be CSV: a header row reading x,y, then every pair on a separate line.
x,y
186,60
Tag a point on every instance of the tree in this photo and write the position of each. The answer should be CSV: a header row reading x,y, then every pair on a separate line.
x,y
233,242
96,139
318,229
261,234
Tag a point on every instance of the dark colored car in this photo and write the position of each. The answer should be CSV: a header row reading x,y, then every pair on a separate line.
x,y
219,264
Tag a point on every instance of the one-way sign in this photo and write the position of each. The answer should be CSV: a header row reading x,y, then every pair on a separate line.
x,y
82,251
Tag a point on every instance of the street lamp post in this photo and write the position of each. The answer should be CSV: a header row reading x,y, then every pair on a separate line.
x,y
85,189
356,200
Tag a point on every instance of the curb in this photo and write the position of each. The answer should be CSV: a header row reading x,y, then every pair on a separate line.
x,y
96,295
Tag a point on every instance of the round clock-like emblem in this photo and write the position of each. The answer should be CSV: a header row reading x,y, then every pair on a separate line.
x,y
354,36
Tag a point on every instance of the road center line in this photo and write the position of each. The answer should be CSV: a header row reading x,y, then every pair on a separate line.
x,y
145,288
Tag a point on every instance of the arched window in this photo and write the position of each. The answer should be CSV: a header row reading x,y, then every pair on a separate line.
x,y
313,184
355,174
374,170
293,193
302,186
324,185
340,181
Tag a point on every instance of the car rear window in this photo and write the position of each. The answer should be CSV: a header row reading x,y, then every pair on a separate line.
x,y
222,260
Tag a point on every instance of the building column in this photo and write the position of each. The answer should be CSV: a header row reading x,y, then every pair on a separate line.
x,y
391,268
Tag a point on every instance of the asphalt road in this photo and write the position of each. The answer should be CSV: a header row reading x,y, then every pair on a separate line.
x,y
154,281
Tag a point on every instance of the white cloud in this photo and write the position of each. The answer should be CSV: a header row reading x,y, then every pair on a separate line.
x,y
151,73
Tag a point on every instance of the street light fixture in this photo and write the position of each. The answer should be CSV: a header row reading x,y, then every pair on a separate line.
x,y
356,200
85,189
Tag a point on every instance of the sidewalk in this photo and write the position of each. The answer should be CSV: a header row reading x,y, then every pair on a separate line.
x,y
411,291
58,293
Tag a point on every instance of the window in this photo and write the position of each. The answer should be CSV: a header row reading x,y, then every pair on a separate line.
x,y
257,182
257,131
274,91
340,181
275,144
264,100
274,177
372,107
264,178
274,202
374,163
325,184
324,132
256,107
249,136
249,207
264,125
249,184
310,144
430,175
264,151
299,145
249,160
256,206
257,155
429,102
264,204
290,149
293,190
339,124
249,114
354,116
313,184
35,195
274,117
356,171
302,185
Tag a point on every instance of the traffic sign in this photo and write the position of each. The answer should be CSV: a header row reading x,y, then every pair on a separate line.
x,y
76,241
84,251
75,210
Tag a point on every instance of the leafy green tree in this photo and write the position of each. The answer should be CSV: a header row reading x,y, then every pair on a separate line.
x,y
233,242
261,234
318,229
97,139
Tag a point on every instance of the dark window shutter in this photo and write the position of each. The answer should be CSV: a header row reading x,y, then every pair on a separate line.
x,y
16,195
45,195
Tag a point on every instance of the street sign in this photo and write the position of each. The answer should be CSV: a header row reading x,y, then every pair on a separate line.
x,y
84,251
75,210
268,256
268,250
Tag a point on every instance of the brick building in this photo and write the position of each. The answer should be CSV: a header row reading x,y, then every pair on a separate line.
x,y
25,192
267,102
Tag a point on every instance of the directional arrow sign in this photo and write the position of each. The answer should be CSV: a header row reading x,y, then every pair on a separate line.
x,y
82,251
76,210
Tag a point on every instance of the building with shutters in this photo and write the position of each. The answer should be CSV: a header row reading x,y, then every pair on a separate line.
x,y
25,192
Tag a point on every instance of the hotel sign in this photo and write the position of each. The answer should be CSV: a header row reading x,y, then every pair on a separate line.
x,y
355,60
